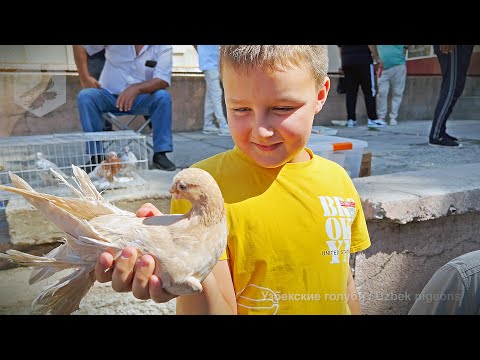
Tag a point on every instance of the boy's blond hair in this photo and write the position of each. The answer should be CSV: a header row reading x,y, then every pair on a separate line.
x,y
276,57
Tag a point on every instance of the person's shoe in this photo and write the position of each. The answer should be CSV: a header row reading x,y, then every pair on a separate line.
x,y
444,142
376,123
393,122
351,123
224,131
450,137
93,162
209,130
161,162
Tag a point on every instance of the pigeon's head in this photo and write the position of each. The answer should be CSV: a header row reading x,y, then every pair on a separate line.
x,y
39,155
195,185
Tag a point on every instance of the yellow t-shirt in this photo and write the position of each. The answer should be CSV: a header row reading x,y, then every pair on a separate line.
x,y
291,231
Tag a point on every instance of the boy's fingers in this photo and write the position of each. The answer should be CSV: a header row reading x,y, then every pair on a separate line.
x,y
147,210
103,267
156,291
143,270
155,287
122,276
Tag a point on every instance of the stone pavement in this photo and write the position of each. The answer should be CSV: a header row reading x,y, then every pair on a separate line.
x,y
394,148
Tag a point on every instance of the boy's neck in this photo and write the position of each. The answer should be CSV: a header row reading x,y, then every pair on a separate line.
x,y
302,156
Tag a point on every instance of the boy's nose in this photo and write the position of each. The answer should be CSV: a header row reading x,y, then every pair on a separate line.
x,y
263,127
264,132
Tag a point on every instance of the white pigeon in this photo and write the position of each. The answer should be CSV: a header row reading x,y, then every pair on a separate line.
x,y
43,166
129,162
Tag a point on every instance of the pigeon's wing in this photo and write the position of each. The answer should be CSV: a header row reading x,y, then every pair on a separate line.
x,y
131,230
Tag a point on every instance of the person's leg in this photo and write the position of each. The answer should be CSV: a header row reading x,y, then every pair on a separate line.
x,y
464,53
209,103
91,104
351,88
382,96
216,94
398,78
367,82
159,107
454,68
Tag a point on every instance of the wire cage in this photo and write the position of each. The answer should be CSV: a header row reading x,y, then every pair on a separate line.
x,y
31,158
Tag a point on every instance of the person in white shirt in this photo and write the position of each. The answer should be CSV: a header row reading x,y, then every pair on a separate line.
x,y
208,57
133,81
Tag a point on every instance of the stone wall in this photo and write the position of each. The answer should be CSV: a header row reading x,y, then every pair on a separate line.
x,y
418,221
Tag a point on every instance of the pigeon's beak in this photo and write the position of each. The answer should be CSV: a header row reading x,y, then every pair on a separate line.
x,y
174,192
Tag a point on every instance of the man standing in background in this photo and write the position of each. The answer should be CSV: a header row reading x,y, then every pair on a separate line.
x,y
208,58
394,75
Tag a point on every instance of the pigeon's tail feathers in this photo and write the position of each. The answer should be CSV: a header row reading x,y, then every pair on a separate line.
x,y
25,259
60,175
59,212
19,183
67,253
64,296
85,184
88,191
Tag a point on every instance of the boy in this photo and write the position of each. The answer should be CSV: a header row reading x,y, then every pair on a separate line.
x,y
293,217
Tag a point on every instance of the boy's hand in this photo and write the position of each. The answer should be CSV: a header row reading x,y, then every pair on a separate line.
x,y
128,273
147,210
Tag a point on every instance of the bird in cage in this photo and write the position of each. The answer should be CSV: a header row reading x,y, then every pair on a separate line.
x,y
129,162
108,168
43,166
186,247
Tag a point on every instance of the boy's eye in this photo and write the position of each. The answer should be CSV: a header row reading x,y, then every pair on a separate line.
x,y
283,108
241,109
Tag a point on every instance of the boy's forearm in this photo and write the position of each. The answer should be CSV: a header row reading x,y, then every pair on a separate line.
x,y
353,300
209,302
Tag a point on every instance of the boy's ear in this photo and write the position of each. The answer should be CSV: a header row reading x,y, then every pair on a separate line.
x,y
322,94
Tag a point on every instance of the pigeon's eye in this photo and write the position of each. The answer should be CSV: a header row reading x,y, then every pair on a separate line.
x,y
182,187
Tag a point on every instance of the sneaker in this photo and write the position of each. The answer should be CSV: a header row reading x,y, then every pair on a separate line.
x,y
376,123
450,137
351,123
224,131
444,142
93,162
208,130
393,122
161,162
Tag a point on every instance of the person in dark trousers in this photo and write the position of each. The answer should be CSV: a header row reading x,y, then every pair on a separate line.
x,y
357,66
454,61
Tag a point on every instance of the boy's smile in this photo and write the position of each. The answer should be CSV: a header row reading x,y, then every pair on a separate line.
x,y
271,114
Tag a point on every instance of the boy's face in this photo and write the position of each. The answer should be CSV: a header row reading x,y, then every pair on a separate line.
x,y
270,115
